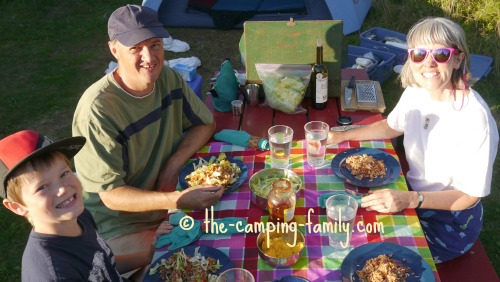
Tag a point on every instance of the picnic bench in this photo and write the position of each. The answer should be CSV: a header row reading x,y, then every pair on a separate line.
x,y
472,266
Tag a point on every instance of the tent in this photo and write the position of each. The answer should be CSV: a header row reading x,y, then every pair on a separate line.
x,y
232,13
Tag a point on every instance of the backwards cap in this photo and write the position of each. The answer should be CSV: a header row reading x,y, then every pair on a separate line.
x,y
26,145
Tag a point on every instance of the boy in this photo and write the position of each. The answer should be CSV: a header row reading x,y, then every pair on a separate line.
x,y
36,182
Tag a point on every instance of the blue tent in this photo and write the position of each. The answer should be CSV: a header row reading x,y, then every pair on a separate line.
x,y
352,13
208,13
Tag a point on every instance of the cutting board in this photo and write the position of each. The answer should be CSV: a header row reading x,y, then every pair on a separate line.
x,y
378,106
294,42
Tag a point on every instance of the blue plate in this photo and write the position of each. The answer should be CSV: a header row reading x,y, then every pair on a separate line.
x,y
190,168
356,259
189,250
393,168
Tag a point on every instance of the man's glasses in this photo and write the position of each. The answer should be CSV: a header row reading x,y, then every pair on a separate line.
x,y
439,55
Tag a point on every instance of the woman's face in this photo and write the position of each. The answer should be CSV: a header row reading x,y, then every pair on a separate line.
x,y
433,76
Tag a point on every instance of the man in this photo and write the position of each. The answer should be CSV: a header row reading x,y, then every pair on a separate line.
x,y
142,123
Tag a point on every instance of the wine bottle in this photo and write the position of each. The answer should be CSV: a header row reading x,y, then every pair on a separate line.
x,y
319,79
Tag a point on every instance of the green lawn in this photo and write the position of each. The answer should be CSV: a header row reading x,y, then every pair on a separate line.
x,y
53,50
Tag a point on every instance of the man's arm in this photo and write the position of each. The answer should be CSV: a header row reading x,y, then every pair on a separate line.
x,y
131,199
195,138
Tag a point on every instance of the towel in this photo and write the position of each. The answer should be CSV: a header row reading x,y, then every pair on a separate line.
x,y
242,138
175,45
178,237
189,61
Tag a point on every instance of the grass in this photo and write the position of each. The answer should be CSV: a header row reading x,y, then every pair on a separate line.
x,y
53,50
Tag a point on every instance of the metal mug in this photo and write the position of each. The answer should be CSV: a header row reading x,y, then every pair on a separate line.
x,y
252,94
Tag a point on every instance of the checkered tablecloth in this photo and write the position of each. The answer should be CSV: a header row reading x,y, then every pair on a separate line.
x,y
319,262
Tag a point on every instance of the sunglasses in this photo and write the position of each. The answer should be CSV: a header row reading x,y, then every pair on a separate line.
x,y
439,55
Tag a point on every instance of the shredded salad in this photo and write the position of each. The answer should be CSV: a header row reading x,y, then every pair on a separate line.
x,y
181,267
216,171
263,185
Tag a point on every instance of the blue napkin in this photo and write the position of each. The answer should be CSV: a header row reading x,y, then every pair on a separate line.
x,y
179,237
242,138
324,197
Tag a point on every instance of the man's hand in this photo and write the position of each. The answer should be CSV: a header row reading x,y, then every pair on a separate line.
x,y
199,197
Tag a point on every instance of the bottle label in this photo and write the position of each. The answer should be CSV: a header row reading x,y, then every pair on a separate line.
x,y
321,88
289,213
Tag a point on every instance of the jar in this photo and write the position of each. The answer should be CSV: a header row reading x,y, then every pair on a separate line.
x,y
281,201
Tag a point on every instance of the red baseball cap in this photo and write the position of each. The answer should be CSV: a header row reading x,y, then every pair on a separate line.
x,y
22,146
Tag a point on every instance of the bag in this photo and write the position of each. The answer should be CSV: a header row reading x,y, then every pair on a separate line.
x,y
225,88
285,85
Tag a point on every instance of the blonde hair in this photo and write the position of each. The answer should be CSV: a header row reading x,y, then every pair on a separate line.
x,y
28,171
441,31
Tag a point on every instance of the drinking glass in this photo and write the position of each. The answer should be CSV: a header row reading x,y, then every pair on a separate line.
x,y
280,143
236,275
341,212
316,135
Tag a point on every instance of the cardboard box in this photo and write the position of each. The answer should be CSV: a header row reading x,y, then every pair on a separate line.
x,y
294,42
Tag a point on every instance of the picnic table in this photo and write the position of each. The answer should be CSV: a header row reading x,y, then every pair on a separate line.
x,y
319,261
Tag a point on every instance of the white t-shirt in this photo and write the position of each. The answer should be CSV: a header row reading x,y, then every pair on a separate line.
x,y
447,148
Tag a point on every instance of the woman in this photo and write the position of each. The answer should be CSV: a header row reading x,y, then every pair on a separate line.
x,y
450,140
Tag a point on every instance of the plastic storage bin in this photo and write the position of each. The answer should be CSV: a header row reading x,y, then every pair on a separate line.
x,y
379,72
374,39
480,66
196,84
351,60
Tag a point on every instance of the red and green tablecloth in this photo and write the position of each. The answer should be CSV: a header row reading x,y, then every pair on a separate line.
x,y
319,262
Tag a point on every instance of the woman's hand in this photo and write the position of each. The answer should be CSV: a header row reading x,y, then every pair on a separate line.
x,y
386,200
335,138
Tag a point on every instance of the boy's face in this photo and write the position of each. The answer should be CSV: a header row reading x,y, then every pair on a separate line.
x,y
52,197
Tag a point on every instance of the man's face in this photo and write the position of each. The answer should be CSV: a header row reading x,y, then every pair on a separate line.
x,y
140,65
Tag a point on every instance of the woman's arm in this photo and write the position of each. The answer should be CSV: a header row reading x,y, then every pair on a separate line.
x,y
376,130
389,200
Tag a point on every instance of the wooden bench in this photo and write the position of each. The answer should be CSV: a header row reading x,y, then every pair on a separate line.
x,y
473,265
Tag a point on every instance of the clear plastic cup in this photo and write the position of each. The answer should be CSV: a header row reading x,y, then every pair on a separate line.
x,y
316,135
280,143
341,211
236,275
237,107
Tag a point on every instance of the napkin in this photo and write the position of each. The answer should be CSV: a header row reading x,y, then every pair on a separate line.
x,y
242,138
324,197
178,237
